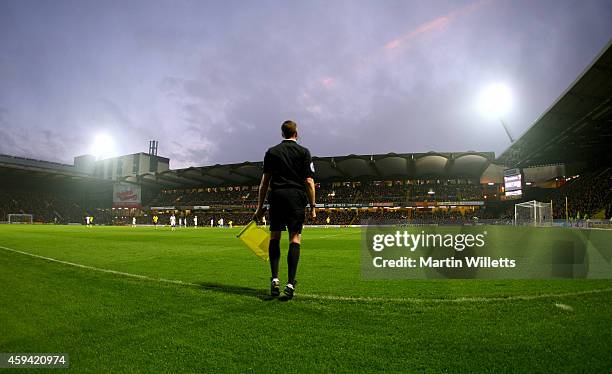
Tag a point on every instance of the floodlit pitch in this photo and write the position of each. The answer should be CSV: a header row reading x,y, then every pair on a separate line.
x,y
123,298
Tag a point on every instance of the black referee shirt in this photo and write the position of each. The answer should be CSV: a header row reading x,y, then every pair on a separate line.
x,y
289,164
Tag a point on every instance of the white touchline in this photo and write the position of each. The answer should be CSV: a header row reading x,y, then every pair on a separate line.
x,y
330,297
564,307
144,277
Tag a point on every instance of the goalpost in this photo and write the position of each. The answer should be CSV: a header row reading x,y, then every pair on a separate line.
x,y
20,218
533,213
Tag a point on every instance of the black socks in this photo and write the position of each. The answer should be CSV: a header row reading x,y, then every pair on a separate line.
x,y
274,254
292,260
293,257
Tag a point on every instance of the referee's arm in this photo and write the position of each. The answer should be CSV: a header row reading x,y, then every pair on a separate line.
x,y
308,173
263,190
310,192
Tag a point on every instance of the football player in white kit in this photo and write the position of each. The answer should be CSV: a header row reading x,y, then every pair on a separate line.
x,y
195,221
133,221
173,222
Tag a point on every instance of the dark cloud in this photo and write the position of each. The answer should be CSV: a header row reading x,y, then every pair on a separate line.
x,y
212,81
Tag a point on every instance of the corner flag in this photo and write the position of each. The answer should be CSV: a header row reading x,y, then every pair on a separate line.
x,y
256,238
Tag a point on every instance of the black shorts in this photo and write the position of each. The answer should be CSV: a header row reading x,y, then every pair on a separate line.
x,y
287,210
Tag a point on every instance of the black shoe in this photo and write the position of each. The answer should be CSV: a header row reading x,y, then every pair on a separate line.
x,y
274,287
289,290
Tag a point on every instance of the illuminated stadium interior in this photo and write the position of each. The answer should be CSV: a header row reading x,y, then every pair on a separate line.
x,y
564,153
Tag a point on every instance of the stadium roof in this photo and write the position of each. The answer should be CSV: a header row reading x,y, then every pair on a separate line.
x,y
13,169
577,127
343,168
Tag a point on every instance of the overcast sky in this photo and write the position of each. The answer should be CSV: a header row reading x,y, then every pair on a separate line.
x,y
213,80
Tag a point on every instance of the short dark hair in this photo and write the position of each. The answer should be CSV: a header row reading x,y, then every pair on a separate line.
x,y
289,129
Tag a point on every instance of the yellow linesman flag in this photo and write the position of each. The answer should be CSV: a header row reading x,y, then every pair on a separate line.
x,y
257,239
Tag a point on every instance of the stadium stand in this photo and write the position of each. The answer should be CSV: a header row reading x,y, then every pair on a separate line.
x,y
589,194
47,207
51,192
339,192
576,128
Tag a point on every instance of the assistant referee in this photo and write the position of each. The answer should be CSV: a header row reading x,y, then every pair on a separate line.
x,y
288,172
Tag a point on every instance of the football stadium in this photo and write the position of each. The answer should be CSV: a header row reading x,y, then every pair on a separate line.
x,y
124,264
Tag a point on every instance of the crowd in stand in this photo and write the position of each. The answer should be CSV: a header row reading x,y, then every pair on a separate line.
x,y
587,195
434,190
446,192
330,193
206,196
44,207
338,194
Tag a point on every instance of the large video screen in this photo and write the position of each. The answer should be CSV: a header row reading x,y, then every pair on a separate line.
x,y
513,183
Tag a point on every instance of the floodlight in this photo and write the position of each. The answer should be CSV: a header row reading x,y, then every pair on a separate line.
x,y
103,146
495,100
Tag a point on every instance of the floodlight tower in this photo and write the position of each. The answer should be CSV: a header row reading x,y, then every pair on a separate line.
x,y
495,101
506,128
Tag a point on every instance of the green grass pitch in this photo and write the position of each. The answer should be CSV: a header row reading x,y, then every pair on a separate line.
x,y
219,318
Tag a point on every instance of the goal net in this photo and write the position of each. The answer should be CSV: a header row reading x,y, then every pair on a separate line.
x,y
533,213
20,218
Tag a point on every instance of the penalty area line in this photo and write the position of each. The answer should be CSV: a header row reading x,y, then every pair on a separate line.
x,y
362,299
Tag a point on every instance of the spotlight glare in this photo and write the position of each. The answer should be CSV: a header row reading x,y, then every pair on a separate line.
x,y
103,146
495,100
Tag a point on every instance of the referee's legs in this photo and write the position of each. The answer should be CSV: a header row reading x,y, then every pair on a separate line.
x,y
293,256
274,252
